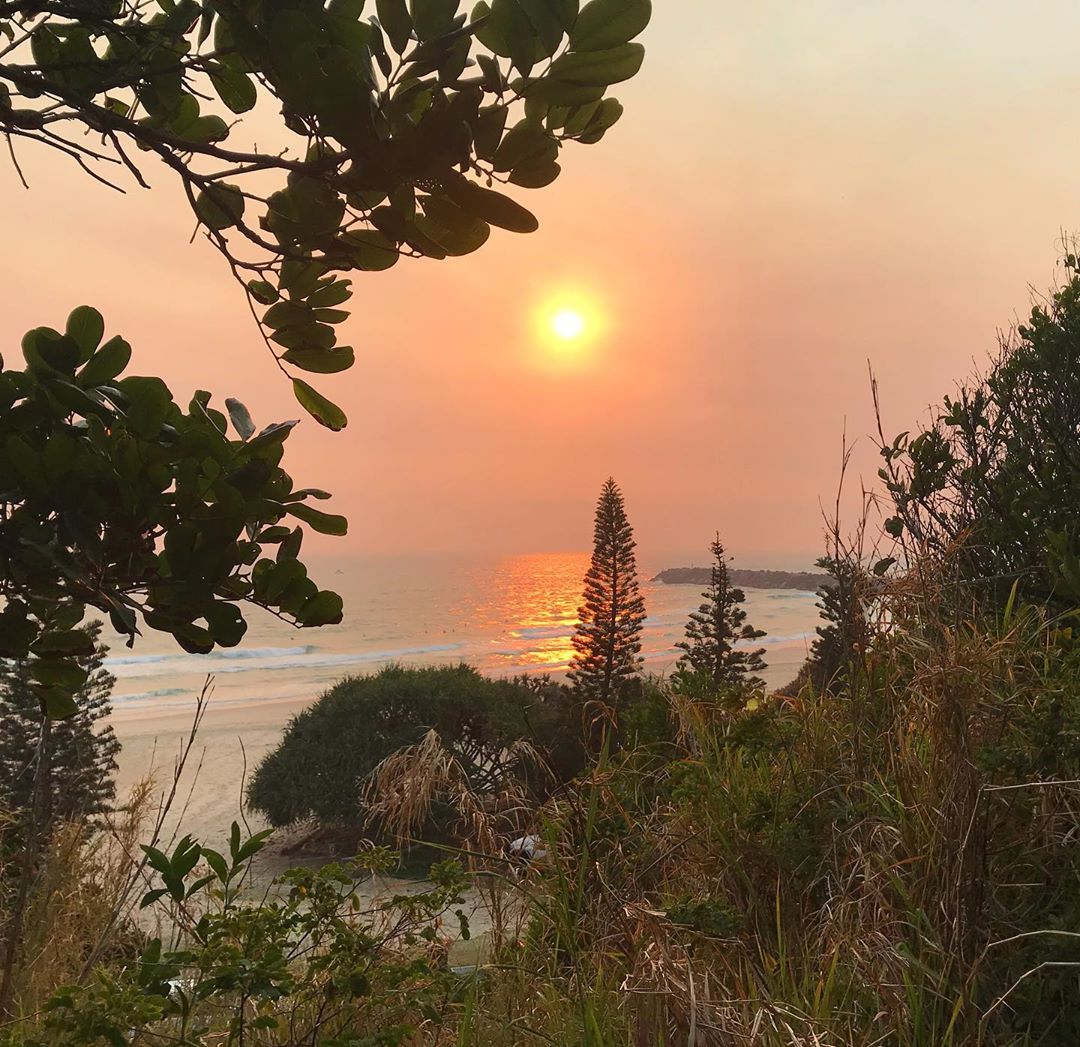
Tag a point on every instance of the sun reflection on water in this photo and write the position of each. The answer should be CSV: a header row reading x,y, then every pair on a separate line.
x,y
542,593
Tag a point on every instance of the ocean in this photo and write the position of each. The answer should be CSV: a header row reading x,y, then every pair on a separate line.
x,y
503,614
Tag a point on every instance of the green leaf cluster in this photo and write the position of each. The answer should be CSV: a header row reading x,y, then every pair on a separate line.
x,y
114,496
991,483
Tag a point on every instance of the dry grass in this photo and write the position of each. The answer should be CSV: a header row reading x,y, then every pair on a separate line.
x,y
82,894
876,872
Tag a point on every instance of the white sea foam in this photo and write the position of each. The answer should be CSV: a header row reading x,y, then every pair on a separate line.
x,y
224,663
227,654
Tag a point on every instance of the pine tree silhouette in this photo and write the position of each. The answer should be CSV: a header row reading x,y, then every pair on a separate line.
x,y
81,755
607,642
712,631
833,650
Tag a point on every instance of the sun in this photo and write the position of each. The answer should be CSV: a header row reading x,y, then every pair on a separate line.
x,y
568,327
568,324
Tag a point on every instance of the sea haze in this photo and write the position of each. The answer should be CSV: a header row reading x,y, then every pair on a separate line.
x,y
503,614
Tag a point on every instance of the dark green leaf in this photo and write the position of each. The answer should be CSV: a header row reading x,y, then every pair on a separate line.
x,y
324,411
488,129
149,402
330,294
523,144
321,361
369,250
85,328
492,207
395,20
77,400
207,129
106,364
58,702
64,673
324,523
263,292
306,336
547,23
287,314
46,350
235,88
603,24
433,18
220,205
509,32
216,862
534,175
227,625
325,608
598,68
65,642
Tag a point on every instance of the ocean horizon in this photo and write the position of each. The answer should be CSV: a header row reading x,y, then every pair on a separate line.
x,y
505,614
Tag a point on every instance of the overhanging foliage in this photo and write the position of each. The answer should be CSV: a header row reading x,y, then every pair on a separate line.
x,y
113,496
393,127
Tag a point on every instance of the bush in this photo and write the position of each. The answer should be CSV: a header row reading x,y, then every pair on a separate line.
x,y
997,471
312,962
329,750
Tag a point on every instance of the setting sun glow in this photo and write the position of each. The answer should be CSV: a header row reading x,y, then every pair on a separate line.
x,y
568,324
568,327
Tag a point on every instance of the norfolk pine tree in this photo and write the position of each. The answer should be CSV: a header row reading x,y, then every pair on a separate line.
x,y
607,641
80,758
712,631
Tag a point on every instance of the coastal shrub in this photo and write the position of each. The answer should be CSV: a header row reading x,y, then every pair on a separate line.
x,y
894,863
328,751
996,472
311,962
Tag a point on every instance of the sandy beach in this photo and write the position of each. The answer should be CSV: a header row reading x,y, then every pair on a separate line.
x,y
232,738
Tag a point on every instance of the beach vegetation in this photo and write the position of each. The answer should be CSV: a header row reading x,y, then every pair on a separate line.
x,y
993,474
330,750
118,498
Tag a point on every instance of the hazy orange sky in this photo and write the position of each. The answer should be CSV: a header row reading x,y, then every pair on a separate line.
x,y
795,188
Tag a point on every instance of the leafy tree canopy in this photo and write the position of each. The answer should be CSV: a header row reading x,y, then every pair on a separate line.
x,y
114,496
393,127
329,749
